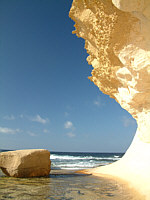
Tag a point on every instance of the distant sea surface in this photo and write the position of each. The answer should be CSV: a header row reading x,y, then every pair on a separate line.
x,y
77,161
68,186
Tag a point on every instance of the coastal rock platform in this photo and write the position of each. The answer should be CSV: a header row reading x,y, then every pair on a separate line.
x,y
25,163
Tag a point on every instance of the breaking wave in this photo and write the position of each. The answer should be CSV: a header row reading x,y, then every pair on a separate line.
x,y
77,161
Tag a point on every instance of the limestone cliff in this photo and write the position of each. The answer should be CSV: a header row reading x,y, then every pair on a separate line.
x,y
117,39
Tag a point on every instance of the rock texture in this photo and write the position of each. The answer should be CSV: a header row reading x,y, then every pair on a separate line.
x,y
117,39
25,163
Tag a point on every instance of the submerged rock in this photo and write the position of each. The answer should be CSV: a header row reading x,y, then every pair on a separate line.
x,y
25,163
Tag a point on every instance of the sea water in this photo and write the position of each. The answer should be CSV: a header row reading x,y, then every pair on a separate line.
x,y
68,186
78,161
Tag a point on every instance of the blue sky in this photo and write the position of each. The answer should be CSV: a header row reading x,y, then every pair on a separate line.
x,y
46,98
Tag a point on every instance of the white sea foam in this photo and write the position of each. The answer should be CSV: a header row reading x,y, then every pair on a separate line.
x,y
67,157
81,160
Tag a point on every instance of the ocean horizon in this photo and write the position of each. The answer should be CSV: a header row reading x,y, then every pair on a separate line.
x,y
79,160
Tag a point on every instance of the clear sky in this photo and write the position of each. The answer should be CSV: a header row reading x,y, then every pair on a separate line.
x,y
46,98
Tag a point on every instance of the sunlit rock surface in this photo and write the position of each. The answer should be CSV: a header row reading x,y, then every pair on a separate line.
x,y
117,39
25,163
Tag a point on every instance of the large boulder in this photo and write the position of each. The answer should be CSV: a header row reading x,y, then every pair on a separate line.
x,y
25,163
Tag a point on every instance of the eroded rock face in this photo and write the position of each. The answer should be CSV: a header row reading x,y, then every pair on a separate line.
x,y
25,163
117,39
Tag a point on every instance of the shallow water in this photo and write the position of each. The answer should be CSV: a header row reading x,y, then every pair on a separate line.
x,y
64,187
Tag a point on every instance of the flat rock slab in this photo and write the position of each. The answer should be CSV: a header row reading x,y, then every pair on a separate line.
x,y
25,163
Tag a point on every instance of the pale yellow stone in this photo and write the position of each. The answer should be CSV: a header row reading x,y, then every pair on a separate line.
x,y
129,5
25,163
117,39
